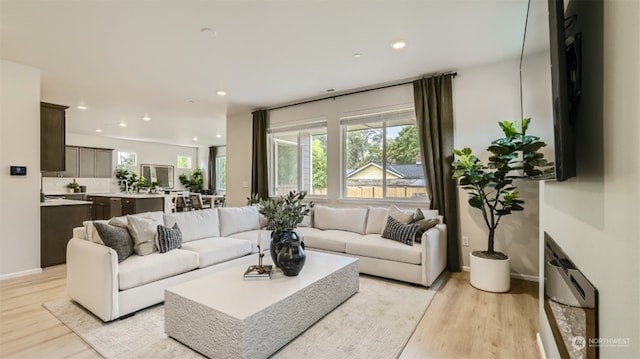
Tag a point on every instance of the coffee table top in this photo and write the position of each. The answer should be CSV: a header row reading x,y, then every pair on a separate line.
x,y
227,291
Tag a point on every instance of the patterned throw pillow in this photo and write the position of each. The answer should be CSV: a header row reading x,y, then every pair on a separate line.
x,y
169,238
405,233
117,238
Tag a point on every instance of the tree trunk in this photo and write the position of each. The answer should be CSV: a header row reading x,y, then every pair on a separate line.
x,y
492,232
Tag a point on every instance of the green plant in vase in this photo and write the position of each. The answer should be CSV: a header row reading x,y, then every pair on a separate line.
x,y
194,181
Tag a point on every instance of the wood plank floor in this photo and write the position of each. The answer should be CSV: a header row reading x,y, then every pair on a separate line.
x,y
461,322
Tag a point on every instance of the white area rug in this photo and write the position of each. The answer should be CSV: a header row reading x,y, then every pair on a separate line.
x,y
376,322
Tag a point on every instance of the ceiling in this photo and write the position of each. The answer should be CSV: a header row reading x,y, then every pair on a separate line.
x,y
125,60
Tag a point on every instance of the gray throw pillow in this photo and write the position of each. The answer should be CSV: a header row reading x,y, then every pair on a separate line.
x,y
169,238
117,238
423,226
405,233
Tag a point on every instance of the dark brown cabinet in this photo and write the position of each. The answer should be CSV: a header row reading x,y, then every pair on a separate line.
x,y
109,207
56,228
85,162
52,137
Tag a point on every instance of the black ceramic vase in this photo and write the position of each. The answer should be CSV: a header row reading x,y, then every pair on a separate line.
x,y
277,238
291,257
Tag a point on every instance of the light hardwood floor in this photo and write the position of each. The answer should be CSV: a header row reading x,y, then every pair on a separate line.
x,y
461,321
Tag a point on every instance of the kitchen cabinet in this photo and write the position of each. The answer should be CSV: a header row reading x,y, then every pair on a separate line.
x,y
85,162
105,207
113,205
56,228
52,137
140,205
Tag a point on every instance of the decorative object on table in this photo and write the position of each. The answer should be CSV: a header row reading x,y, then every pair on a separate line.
x,y
126,178
291,257
492,191
283,215
73,186
259,271
194,181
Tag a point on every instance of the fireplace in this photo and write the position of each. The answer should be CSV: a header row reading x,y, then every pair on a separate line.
x,y
570,304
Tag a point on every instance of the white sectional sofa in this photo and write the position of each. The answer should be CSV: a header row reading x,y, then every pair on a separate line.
x,y
213,238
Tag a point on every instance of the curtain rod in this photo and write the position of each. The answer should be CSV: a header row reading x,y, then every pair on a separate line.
x,y
454,74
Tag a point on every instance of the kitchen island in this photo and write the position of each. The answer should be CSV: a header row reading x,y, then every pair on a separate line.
x,y
58,217
108,205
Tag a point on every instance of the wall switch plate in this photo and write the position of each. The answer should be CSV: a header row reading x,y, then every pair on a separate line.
x,y
465,241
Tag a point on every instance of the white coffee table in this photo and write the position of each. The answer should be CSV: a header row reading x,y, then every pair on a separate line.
x,y
222,315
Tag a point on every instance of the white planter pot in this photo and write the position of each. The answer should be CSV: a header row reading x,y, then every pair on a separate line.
x,y
491,275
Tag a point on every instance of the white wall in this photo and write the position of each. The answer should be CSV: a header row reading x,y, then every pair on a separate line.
x,y
19,145
483,96
239,147
595,220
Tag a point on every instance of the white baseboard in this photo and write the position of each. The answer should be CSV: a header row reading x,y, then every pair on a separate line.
x,y
531,278
21,273
540,346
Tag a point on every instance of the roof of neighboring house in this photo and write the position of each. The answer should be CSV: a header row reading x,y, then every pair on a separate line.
x,y
402,171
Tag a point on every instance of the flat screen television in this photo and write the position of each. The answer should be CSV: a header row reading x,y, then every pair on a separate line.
x,y
565,87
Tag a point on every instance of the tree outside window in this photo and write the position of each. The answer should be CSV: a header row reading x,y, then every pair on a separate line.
x,y
382,157
126,158
184,162
221,173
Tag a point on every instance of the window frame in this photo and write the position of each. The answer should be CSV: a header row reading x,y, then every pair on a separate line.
x,y
297,129
128,153
372,116
189,162
218,173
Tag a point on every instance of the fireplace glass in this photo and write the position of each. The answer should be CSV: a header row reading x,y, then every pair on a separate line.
x,y
570,304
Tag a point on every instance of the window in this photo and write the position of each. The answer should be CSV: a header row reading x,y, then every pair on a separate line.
x,y
298,159
184,162
126,158
221,173
382,156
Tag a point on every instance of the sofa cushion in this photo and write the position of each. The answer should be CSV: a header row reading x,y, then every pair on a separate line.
x,y
195,224
304,231
252,236
238,219
217,250
168,238
138,270
329,240
345,219
405,233
115,237
375,219
424,225
373,245
92,234
143,231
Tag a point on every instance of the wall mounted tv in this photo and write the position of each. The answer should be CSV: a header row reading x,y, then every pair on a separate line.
x,y
566,88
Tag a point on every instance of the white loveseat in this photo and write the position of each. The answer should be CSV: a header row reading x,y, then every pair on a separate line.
x,y
213,238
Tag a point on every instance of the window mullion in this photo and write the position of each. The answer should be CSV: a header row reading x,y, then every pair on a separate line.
x,y
384,159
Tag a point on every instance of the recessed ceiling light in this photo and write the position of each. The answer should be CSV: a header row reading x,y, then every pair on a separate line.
x,y
357,55
195,138
398,44
98,130
146,118
81,107
122,124
218,135
221,93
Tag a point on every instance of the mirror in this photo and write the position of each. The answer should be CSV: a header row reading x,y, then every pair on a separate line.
x,y
162,174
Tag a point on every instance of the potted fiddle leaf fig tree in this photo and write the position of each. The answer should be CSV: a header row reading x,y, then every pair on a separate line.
x,y
493,192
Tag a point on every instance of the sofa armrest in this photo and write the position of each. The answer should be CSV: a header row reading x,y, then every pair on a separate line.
x,y
92,277
434,253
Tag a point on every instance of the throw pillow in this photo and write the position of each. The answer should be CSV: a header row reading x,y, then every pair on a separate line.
x,y
418,215
423,226
143,231
405,233
91,232
169,238
397,214
117,238
119,222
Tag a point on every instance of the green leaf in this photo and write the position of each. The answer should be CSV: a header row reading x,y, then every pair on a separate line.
x,y
475,201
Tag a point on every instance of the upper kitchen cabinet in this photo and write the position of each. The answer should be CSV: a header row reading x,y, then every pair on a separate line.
x,y
52,137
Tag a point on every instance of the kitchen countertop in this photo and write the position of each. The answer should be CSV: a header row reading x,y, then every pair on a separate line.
x,y
62,202
128,195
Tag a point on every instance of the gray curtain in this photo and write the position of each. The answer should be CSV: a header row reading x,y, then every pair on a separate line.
x,y
213,153
434,116
259,172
